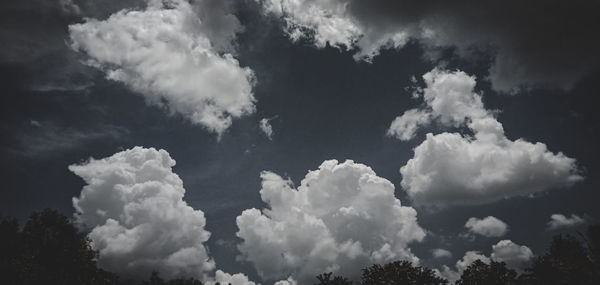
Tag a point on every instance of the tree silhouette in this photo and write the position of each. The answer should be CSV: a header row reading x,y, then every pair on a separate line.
x,y
155,279
326,279
49,250
480,273
181,281
566,262
400,273
593,245
10,249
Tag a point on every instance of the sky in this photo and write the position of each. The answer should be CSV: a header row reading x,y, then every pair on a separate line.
x,y
269,141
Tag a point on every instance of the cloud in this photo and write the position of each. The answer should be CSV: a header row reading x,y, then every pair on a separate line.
x,y
521,40
266,128
176,56
289,281
558,221
23,40
404,127
470,257
517,257
341,218
488,226
35,46
133,204
226,278
48,139
327,24
452,168
453,274
69,7
441,253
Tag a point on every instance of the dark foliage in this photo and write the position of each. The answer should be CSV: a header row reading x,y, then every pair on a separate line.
x,y
495,273
51,250
400,273
325,279
156,280
593,245
567,261
10,249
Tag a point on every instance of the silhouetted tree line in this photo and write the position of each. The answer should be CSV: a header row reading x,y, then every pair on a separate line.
x,y
569,261
49,249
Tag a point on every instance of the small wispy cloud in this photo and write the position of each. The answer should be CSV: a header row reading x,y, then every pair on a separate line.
x,y
266,127
49,138
558,221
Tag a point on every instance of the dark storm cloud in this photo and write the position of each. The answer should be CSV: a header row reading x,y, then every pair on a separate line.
x,y
536,43
34,37
31,29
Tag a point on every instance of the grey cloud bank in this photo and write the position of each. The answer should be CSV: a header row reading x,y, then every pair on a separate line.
x,y
534,43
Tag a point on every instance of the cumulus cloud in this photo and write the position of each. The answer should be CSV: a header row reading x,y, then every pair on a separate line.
x,y
441,253
133,204
289,281
453,274
226,278
558,221
404,127
517,257
522,40
265,127
488,226
325,19
341,218
470,257
177,55
452,168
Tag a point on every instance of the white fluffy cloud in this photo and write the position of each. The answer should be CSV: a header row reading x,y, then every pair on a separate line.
x,y
331,22
451,168
226,278
341,218
524,42
405,127
441,253
453,274
516,257
326,19
558,221
289,281
469,258
488,226
175,55
133,204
